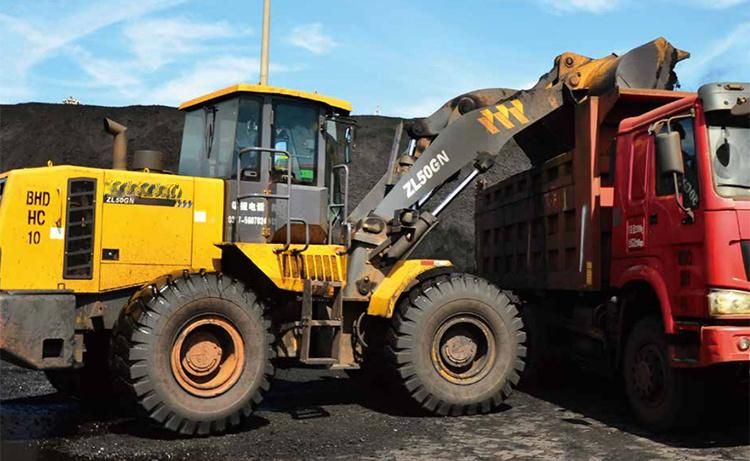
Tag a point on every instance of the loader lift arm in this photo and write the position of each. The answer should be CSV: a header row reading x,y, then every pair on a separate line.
x,y
470,130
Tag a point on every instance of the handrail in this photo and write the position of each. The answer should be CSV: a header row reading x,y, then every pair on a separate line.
x,y
344,206
267,197
288,241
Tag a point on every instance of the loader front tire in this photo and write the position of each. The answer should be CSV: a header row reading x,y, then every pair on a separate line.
x,y
455,345
193,353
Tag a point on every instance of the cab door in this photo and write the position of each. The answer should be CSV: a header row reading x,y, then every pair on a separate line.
x,y
296,129
675,239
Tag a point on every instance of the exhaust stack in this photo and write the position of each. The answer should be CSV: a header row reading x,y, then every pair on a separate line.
x,y
119,144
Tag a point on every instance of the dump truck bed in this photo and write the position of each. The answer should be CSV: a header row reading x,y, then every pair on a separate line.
x,y
549,228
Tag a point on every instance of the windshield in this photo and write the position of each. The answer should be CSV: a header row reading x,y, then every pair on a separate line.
x,y
729,144
296,131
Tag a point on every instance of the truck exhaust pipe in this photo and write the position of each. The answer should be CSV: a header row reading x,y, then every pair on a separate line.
x,y
119,144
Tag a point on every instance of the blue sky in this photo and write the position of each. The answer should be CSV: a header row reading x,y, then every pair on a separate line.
x,y
395,57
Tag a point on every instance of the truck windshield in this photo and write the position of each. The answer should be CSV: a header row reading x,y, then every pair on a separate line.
x,y
729,141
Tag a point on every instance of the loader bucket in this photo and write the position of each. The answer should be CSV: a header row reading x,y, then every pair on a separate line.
x,y
649,66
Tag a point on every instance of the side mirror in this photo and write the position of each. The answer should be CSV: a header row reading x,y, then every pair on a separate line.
x,y
349,141
669,153
669,158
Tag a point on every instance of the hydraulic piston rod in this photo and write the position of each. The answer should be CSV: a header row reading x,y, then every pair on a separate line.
x,y
447,200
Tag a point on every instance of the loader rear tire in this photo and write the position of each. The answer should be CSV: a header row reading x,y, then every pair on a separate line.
x,y
193,353
455,345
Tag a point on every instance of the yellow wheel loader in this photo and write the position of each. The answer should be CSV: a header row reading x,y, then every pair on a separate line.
x,y
186,289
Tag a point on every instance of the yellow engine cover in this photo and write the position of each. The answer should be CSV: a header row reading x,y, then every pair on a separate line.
x,y
144,225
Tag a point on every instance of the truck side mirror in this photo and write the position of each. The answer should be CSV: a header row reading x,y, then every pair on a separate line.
x,y
669,153
669,158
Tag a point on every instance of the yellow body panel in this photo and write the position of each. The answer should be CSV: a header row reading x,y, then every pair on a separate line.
x,y
32,231
248,88
155,223
289,271
383,300
208,223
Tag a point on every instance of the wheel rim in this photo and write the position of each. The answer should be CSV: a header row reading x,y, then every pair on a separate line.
x,y
208,356
648,375
463,349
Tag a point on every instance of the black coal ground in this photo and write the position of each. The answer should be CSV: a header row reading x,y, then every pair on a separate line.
x,y
315,414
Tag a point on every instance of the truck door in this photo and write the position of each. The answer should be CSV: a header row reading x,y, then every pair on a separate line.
x,y
673,238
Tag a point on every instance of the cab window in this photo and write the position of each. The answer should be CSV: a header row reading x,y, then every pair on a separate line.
x,y
689,181
295,130
248,135
208,140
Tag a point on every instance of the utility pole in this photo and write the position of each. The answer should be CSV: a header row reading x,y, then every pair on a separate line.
x,y
264,42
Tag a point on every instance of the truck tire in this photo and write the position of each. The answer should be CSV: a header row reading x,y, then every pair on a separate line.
x,y
455,345
193,353
661,397
537,360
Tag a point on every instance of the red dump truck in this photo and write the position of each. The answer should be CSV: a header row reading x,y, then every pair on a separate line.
x,y
632,249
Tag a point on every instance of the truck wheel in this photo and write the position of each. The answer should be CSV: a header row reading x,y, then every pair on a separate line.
x,y
194,353
455,345
538,362
662,397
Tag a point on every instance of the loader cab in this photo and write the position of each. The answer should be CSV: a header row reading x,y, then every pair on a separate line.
x,y
268,143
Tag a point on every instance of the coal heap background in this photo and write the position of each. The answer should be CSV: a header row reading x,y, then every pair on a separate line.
x,y
32,134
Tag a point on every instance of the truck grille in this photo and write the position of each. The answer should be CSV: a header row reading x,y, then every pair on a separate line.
x,y
745,244
79,231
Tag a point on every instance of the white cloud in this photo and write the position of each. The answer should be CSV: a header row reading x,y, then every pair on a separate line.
x,y
422,108
604,6
157,42
588,6
190,57
725,59
27,42
311,38
205,77
112,74
715,4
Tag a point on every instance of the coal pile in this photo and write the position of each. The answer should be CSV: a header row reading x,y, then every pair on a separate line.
x,y
33,134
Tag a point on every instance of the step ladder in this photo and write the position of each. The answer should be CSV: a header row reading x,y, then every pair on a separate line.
x,y
310,323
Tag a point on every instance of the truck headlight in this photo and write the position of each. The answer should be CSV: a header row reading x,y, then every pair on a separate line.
x,y
728,302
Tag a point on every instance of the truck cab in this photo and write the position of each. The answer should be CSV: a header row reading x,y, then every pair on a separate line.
x,y
689,239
